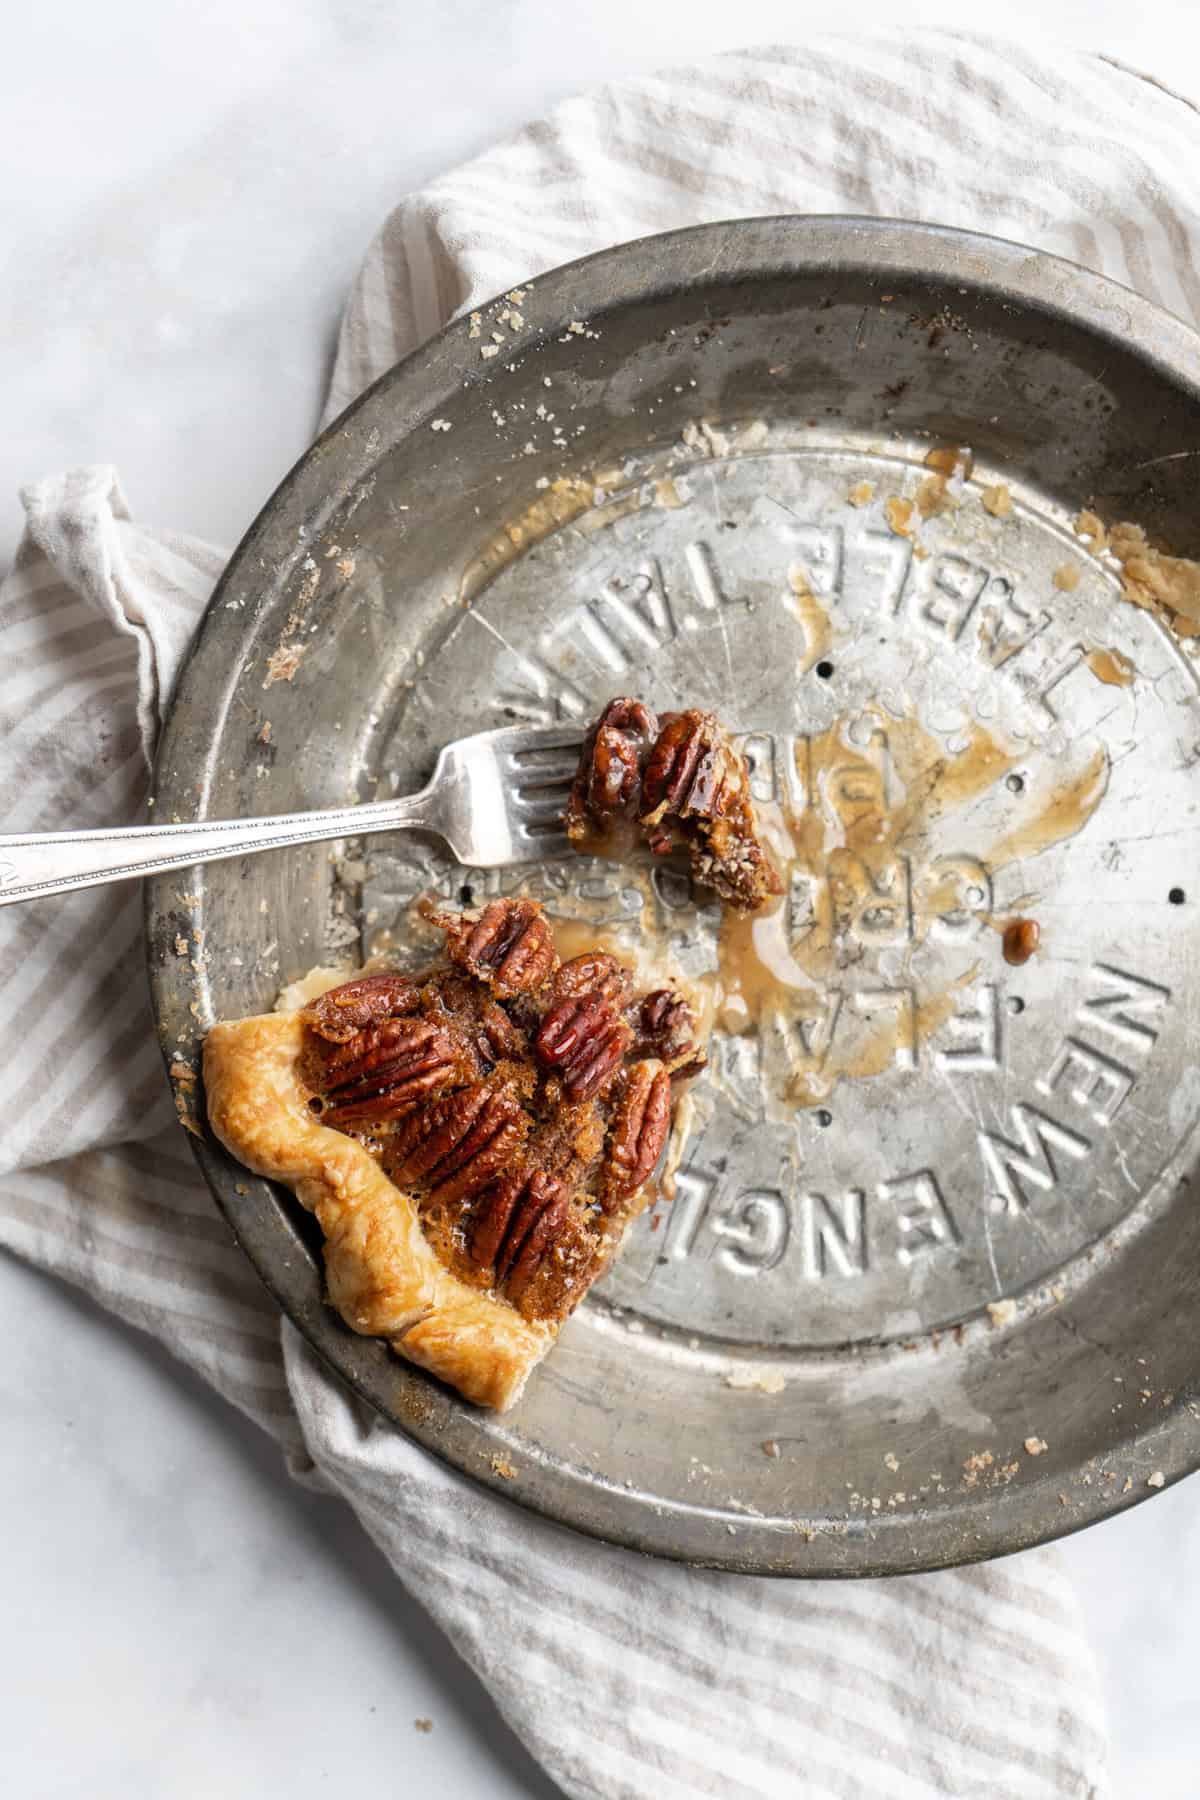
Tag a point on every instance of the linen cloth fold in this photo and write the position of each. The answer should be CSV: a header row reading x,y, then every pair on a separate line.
x,y
630,1679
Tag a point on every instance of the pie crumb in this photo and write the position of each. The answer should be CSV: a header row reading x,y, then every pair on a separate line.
x,y
1090,528
766,1381
502,1467
183,1109
1035,1445
1157,1480
862,493
976,1465
890,1461
1168,585
283,662
423,1725
997,500
1002,1312
770,1448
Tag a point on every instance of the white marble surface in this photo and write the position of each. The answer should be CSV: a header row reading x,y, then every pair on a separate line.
x,y
185,192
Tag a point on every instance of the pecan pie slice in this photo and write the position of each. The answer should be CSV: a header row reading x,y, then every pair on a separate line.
x,y
474,1140
680,783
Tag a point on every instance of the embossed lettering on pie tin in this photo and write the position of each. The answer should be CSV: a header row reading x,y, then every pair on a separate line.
x,y
899,1124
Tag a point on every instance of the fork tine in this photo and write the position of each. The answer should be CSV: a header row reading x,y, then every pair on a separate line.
x,y
553,776
548,804
506,792
529,745
537,756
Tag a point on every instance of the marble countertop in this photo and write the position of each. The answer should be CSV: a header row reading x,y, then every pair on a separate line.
x,y
186,194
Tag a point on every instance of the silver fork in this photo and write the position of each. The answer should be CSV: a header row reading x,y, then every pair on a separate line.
x,y
496,798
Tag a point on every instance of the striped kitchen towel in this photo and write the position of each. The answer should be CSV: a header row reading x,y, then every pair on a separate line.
x,y
626,1677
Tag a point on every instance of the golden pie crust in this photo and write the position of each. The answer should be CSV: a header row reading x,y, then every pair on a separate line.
x,y
383,1276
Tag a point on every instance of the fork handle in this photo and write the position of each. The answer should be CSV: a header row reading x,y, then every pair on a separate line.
x,y
58,862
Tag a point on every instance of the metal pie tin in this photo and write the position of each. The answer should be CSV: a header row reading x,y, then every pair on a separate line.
x,y
927,1287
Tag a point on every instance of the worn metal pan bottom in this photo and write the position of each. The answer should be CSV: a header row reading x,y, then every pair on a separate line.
x,y
927,1288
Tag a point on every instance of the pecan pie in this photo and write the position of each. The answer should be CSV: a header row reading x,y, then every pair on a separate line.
x,y
473,1140
679,783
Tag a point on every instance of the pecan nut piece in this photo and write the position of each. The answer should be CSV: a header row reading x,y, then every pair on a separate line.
x,y
536,1248
344,1011
532,1243
507,1214
607,783
664,1026
595,972
499,1038
639,1131
454,1149
583,1040
691,767
494,1217
509,946
696,792
389,1069
734,864
451,996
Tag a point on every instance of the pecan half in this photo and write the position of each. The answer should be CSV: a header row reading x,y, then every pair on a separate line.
x,y
595,972
583,1040
537,1249
388,1069
532,1243
494,1216
664,1026
458,1146
344,1011
509,946
507,1212
689,770
606,786
639,1131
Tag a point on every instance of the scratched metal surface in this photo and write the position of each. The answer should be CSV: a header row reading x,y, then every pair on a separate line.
x,y
794,1367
